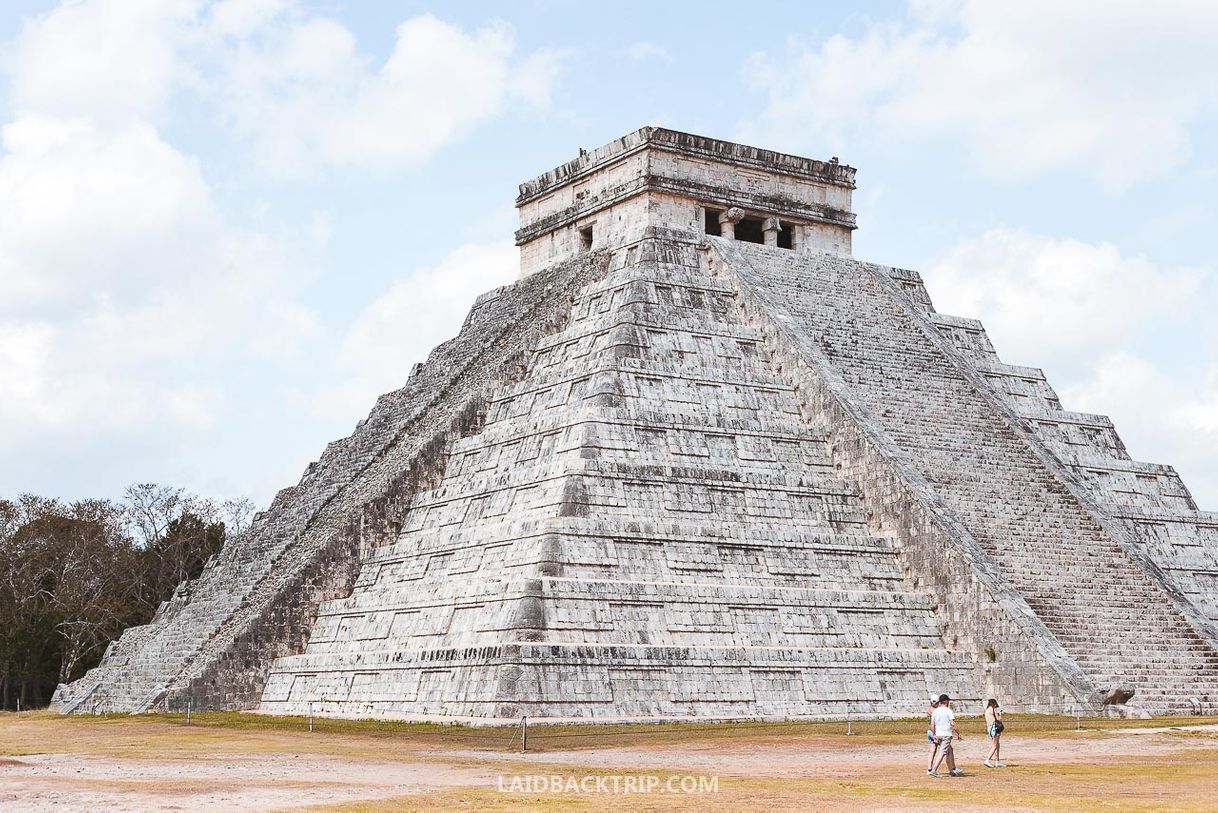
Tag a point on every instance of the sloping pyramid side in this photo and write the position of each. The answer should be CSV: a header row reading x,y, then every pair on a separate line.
x,y
213,642
644,528
1149,499
947,465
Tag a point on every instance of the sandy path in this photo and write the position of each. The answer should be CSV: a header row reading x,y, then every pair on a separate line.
x,y
800,756
220,782
187,774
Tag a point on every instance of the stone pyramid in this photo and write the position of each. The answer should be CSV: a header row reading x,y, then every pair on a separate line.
x,y
699,462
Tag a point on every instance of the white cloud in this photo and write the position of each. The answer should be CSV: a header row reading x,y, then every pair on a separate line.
x,y
534,78
23,351
88,211
1176,417
1032,86
294,84
124,290
135,313
1095,319
116,269
304,94
417,313
108,61
1200,410
1064,300
240,18
646,51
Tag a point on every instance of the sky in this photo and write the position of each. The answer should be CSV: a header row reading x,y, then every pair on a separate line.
x,y
226,227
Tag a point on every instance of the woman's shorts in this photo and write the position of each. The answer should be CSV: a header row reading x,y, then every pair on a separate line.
x,y
993,731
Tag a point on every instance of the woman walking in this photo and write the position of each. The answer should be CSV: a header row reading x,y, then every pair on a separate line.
x,y
993,727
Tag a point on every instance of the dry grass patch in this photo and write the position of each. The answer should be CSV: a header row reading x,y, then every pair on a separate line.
x,y
1185,784
247,760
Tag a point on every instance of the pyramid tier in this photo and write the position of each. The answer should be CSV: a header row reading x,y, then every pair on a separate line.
x,y
648,488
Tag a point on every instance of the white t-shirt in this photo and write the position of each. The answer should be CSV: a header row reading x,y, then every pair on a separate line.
x,y
941,721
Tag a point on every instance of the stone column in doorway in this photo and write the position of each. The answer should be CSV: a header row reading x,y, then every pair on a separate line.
x,y
771,228
728,221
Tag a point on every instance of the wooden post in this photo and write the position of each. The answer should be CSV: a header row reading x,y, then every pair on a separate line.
x,y
524,734
188,710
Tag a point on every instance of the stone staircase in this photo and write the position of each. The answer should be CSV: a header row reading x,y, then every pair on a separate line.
x,y
700,478
1121,624
645,527
1149,499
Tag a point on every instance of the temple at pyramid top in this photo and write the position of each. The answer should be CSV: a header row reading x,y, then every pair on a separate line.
x,y
659,177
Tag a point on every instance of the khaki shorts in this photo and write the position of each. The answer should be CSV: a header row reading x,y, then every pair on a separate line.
x,y
945,747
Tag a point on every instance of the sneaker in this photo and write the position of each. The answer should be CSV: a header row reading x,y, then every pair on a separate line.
x,y
934,774
989,764
957,772
1000,764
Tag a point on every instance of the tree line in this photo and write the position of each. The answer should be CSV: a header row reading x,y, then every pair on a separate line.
x,y
74,575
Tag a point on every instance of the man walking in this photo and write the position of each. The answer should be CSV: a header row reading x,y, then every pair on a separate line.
x,y
943,722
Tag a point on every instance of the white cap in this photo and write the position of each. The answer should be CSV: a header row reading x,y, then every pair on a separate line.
x,y
934,698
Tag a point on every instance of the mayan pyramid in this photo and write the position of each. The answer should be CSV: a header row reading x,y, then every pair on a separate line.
x,y
699,462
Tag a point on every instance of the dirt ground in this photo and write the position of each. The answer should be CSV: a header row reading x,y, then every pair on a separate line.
x,y
246,762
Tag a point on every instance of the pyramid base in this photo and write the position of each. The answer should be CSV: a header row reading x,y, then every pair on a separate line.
x,y
582,683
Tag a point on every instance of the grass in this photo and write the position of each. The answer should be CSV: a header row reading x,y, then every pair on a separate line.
x,y
1184,784
557,738
167,736
1177,770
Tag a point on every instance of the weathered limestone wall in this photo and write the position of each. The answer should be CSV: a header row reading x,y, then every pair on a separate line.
x,y
257,598
623,222
728,181
644,528
819,237
1051,544
1150,501
677,175
1017,657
